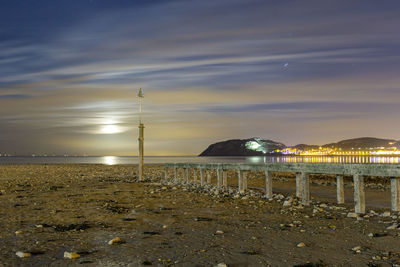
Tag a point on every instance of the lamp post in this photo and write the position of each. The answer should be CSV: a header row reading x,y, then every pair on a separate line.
x,y
141,135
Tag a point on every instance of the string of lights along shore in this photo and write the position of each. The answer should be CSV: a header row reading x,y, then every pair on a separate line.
x,y
141,136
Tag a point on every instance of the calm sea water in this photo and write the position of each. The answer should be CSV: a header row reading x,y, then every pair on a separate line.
x,y
112,160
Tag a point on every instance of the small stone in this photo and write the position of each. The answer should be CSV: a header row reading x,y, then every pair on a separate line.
x,y
18,232
302,231
165,226
323,205
301,245
71,255
221,265
357,249
352,215
115,240
393,226
23,254
370,235
386,214
287,203
219,232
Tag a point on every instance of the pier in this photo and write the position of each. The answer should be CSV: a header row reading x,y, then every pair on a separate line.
x,y
302,171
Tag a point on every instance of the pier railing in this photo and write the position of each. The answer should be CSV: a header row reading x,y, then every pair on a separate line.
x,y
302,171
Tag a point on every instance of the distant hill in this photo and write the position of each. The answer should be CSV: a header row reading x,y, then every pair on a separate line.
x,y
364,143
242,147
260,147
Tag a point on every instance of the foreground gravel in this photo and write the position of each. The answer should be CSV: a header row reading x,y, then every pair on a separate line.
x,y
98,215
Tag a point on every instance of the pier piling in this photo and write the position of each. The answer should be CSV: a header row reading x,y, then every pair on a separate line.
x,y
339,189
201,176
268,184
224,179
395,193
305,179
359,194
299,187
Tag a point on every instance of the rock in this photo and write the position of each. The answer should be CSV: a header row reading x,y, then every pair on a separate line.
x,y
352,215
221,265
71,255
287,203
301,245
23,254
357,249
219,232
18,232
393,226
323,205
386,214
115,240
165,226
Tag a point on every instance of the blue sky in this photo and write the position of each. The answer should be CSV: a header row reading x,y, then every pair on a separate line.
x,y
292,71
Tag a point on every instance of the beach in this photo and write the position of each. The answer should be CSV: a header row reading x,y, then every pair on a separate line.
x,y
47,210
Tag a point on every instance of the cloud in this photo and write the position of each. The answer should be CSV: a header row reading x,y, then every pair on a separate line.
x,y
211,70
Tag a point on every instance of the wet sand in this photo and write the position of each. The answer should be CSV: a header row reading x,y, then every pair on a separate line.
x,y
80,208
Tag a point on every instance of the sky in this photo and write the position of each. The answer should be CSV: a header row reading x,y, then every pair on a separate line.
x,y
307,71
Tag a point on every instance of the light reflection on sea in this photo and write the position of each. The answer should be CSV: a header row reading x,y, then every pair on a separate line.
x,y
114,160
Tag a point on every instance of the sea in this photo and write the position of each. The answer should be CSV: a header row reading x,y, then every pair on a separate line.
x,y
119,160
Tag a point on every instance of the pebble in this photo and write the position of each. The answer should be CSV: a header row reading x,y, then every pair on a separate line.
x,y
287,203
352,215
115,240
357,249
18,232
393,226
219,232
165,226
71,255
23,254
221,265
301,245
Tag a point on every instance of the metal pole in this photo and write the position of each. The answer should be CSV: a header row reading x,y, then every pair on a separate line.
x,y
141,137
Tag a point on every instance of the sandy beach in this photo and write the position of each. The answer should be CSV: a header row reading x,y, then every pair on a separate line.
x,y
47,210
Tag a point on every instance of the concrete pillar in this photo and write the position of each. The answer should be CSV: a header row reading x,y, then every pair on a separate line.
x,y
166,173
187,174
201,176
175,174
242,181
299,185
219,178
195,175
395,191
208,176
268,184
339,189
359,194
224,178
240,175
305,180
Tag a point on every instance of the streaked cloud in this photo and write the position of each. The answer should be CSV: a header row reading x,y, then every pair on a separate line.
x,y
296,72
